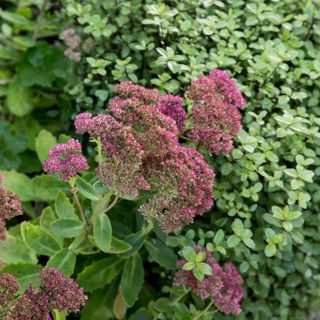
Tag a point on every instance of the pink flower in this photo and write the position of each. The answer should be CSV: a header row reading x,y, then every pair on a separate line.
x,y
62,293
215,113
66,158
172,106
10,207
223,286
184,182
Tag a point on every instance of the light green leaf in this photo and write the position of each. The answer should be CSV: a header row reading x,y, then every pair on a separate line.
x,y
86,189
64,208
63,260
102,232
68,228
43,143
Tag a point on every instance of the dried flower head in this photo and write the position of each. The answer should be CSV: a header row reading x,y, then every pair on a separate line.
x,y
184,182
121,168
67,159
215,114
62,293
223,286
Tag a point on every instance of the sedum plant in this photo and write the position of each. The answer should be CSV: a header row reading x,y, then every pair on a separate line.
x,y
148,156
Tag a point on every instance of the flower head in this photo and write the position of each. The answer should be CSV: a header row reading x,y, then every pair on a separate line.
x,y
184,182
66,158
10,207
215,113
171,106
223,286
62,293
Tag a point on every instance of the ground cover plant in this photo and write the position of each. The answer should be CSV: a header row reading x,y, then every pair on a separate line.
x,y
125,208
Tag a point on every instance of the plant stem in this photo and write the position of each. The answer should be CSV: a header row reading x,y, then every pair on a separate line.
x,y
100,208
83,218
180,297
39,20
112,204
203,311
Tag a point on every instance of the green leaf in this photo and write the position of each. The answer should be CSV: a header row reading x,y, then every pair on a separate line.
x,y
136,240
270,250
43,143
200,256
205,268
39,240
189,266
161,254
132,280
63,260
20,184
99,273
287,226
249,243
68,228
233,241
64,208
46,187
86,189
119,246
102,232
189,254
237,227
19,100
219,236
14,250
198,274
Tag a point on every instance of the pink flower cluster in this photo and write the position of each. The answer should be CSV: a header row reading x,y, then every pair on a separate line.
x,y
223,286
184,181
66,158
215,114
10,207
56,292
171,106
72,40
140,138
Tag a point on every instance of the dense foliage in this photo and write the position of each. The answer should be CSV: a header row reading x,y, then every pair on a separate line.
x,y
60,58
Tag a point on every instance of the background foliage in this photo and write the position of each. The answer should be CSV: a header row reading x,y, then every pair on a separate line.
x,y
267,194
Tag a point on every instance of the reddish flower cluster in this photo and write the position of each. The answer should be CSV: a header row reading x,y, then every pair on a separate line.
x,y
56,292
66,158
72,40
185,182
10,207
223,286
172,106
215,114
62,293
142,151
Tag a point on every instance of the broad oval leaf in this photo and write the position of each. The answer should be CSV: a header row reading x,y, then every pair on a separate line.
x,y
63,260
39,240
132,280
102,232
64,208
119,246
99,273
86,189
67,228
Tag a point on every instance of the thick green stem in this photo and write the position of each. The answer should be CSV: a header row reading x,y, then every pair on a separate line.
x,y
112,204
175,301
59,315
82,216
204,311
